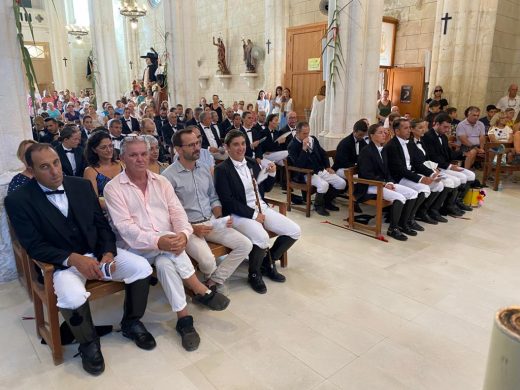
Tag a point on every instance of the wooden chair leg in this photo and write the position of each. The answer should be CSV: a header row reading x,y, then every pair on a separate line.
x,y
53,324
283,260
308,203
379,221
288,197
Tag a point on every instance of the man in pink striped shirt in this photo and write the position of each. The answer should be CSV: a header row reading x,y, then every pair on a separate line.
x,y
150,221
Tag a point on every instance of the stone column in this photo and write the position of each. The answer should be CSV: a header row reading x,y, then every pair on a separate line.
x,y
180,22
105,51
14,125
353,94
275,25
461,57
58,44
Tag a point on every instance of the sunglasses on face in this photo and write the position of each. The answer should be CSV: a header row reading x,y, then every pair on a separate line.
x,y
438,90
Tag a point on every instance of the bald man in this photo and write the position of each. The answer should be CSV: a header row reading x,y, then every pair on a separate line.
x,y
511,100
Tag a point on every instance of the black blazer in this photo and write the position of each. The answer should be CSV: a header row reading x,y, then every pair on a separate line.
x,y
230,188
441,154
224,127
289,138
316,159
256,136
192,122
205,141
160,122
126,128
268,145
346,156
371,166
167,132
419,158
397,161
65,163
41,228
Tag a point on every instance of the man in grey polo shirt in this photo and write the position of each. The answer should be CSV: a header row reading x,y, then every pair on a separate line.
x,y
471,135
193,185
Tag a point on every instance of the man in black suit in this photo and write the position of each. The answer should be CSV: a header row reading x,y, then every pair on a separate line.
x,y
130,124
87,129
305,152
179,111
439,151
292,119
235,182
252,135
210,137
195,121
51,133
170,128
409,171
348,149
70,153
227,123
115,130
260,121
161,119
78,242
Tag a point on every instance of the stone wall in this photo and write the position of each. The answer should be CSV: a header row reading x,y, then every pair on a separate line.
x,y
305,12
415,29
505,58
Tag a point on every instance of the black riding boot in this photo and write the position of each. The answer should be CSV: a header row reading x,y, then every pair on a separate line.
x,y
319,205
256,256
405,218
436,205
330,195
136,298
80,323
280,246
450,206
411,221
462,194
395,214
422,212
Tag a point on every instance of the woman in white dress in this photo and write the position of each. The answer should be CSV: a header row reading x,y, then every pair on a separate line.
x,y
276,103
317,119
262,104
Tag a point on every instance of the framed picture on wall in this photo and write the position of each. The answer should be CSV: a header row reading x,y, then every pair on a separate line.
x,y
406,93
387,49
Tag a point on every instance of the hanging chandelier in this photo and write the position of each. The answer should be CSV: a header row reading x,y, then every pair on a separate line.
x,y
77,31
133,11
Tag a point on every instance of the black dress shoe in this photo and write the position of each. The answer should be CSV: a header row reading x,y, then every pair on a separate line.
x,y
190,337
464,207
297,199
435,215
424,217
257,283
136,331
91,357
453,211
407,230
331,207
357,208
396,233
415,226
212,300
321,211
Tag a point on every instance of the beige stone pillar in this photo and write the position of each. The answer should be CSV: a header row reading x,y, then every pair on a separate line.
x,y
353,94
275,26
180,22
105,51
461,58
14,125
58,44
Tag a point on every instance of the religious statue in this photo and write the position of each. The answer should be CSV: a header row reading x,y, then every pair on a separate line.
x,y
152,59
248,58
222,66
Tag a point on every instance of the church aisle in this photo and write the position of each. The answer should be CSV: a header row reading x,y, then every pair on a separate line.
x,y
355,313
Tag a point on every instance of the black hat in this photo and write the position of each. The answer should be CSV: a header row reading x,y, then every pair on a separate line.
x,y
151,56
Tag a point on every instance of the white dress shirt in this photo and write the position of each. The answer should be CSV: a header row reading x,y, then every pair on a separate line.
x,y
71,158
404,146
211,138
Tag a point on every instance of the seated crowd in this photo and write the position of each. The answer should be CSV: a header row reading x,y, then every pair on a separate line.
x,y
159,188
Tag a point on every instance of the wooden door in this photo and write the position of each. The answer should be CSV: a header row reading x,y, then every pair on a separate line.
x,y
304,44
406,86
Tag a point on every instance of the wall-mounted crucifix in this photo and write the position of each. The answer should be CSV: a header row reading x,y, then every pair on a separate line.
x,y
268,43
65,61
131,63
445,20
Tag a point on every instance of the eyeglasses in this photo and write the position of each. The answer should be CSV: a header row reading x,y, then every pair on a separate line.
x,y
105,147
192,145
438,90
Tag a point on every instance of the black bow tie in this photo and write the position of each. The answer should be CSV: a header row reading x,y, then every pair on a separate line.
x,y
249,131
69,151
128,120
120,138
418,142
207,128
56,192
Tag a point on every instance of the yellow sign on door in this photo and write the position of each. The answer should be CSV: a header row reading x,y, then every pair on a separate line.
x,y
313,63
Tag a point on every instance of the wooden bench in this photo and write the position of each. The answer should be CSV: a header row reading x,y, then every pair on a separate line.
x,y
379,203
44,299
498,168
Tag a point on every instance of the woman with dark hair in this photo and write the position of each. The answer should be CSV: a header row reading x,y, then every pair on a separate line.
x,y
188,115
25,176
437,96
217,107
269,148
262,103
102,163
276,103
